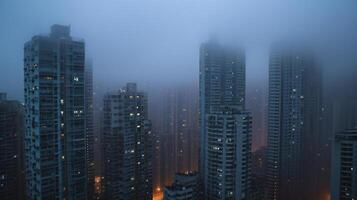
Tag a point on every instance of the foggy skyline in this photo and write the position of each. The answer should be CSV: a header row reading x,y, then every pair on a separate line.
x,y
251,94
156,42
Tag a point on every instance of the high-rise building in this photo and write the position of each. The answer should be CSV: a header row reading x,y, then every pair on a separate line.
x,y
182,123
228,154
127,145
185,186
344,166
342,98
293,154
175,125
55,138
88,85
12,170
225,138
339,112
257,104
258,174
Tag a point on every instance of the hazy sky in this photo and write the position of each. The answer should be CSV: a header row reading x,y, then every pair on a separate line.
x,y
157,41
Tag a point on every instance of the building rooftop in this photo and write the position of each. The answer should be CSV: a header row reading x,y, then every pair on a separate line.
x,y
60,31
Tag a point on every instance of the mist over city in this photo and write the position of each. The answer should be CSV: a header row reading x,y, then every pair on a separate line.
x,y
178,99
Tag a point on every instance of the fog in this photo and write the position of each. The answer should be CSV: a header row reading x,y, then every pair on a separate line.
x,y
156,42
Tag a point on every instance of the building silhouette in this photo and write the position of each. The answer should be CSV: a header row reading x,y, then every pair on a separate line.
x,y
294,137
225,145
175,125
258,189
339,113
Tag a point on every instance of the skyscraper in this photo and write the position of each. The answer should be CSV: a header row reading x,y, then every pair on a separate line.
x,y
12,171
181,122
88,84
258,174
344,166
55,139
127,145
228,154
293,124
225,146
257,104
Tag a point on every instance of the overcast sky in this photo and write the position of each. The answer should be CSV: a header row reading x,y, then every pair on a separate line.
x,y
156,41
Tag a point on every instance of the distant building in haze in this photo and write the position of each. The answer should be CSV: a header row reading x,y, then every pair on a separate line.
x,y
342,95
55,139
294,137
127,145
258,189
257,104
344,166
339,111
12,170
175,125
182,123
225,148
